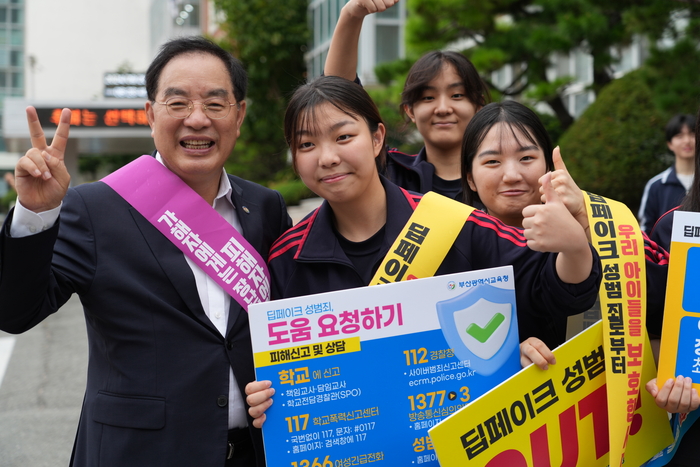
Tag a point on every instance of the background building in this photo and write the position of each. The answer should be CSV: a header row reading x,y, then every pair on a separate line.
x,y
12,70
578,65
381,40
90,56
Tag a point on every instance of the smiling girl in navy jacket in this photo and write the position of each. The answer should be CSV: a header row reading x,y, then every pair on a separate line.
x,y
336,136
442,92
337,140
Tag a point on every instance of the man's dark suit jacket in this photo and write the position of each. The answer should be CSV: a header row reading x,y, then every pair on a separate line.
x,y
158,371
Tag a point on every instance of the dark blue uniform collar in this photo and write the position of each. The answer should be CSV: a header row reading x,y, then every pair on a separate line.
x,y
321,243
672,178
412,162
418,164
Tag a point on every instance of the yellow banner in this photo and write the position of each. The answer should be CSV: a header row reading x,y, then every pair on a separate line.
x,y
557,417
616,236
307,352
424,241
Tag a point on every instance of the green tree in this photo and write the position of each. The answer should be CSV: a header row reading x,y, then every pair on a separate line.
x,y
399,133
269,37
527,33
672,75
7,201
90,165
618,143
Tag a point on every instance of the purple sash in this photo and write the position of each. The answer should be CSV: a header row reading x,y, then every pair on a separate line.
x,y
194,227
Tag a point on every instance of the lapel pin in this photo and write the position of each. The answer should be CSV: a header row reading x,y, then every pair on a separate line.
x,y
245,208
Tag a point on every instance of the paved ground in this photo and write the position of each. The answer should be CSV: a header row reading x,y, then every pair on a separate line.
x,y
42,390
297,213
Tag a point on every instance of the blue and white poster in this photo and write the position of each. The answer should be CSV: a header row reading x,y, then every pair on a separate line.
x,y
361,375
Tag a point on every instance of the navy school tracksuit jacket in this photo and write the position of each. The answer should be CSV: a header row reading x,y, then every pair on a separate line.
x,y
308,259
661,193
412,172
661,233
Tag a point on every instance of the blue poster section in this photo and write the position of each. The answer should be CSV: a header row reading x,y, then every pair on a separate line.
x,y
688,357
691,293
375,405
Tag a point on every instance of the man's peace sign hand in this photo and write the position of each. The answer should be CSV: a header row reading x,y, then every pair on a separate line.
x,y
41,177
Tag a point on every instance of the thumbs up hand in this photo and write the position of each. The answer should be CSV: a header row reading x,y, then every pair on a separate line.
x,y
550,227
566,187
545,224
570,194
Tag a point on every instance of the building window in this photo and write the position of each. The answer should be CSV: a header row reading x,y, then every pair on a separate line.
x,y
387,45
626,60
391,13
317,27
317,66
17,16
381,39
323,15
563,67
17,80
339,4
583,66
16,36
322,61
581,103
325,21
16,58
501,77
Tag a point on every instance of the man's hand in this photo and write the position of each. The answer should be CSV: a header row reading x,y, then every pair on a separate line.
x,y
41,177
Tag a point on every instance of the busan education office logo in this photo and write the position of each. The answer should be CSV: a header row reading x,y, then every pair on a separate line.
x,y
481,326
451,285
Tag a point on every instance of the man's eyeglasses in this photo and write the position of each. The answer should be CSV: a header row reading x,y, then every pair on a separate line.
x,y
179,107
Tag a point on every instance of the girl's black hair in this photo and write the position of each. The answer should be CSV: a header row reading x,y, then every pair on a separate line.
x,y
347,96
430,65
515,116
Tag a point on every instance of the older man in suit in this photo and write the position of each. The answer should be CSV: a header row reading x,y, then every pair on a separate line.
x,y
170,350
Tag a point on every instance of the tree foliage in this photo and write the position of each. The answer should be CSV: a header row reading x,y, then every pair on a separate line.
x,y
269,37
618,143
528,33
672,75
